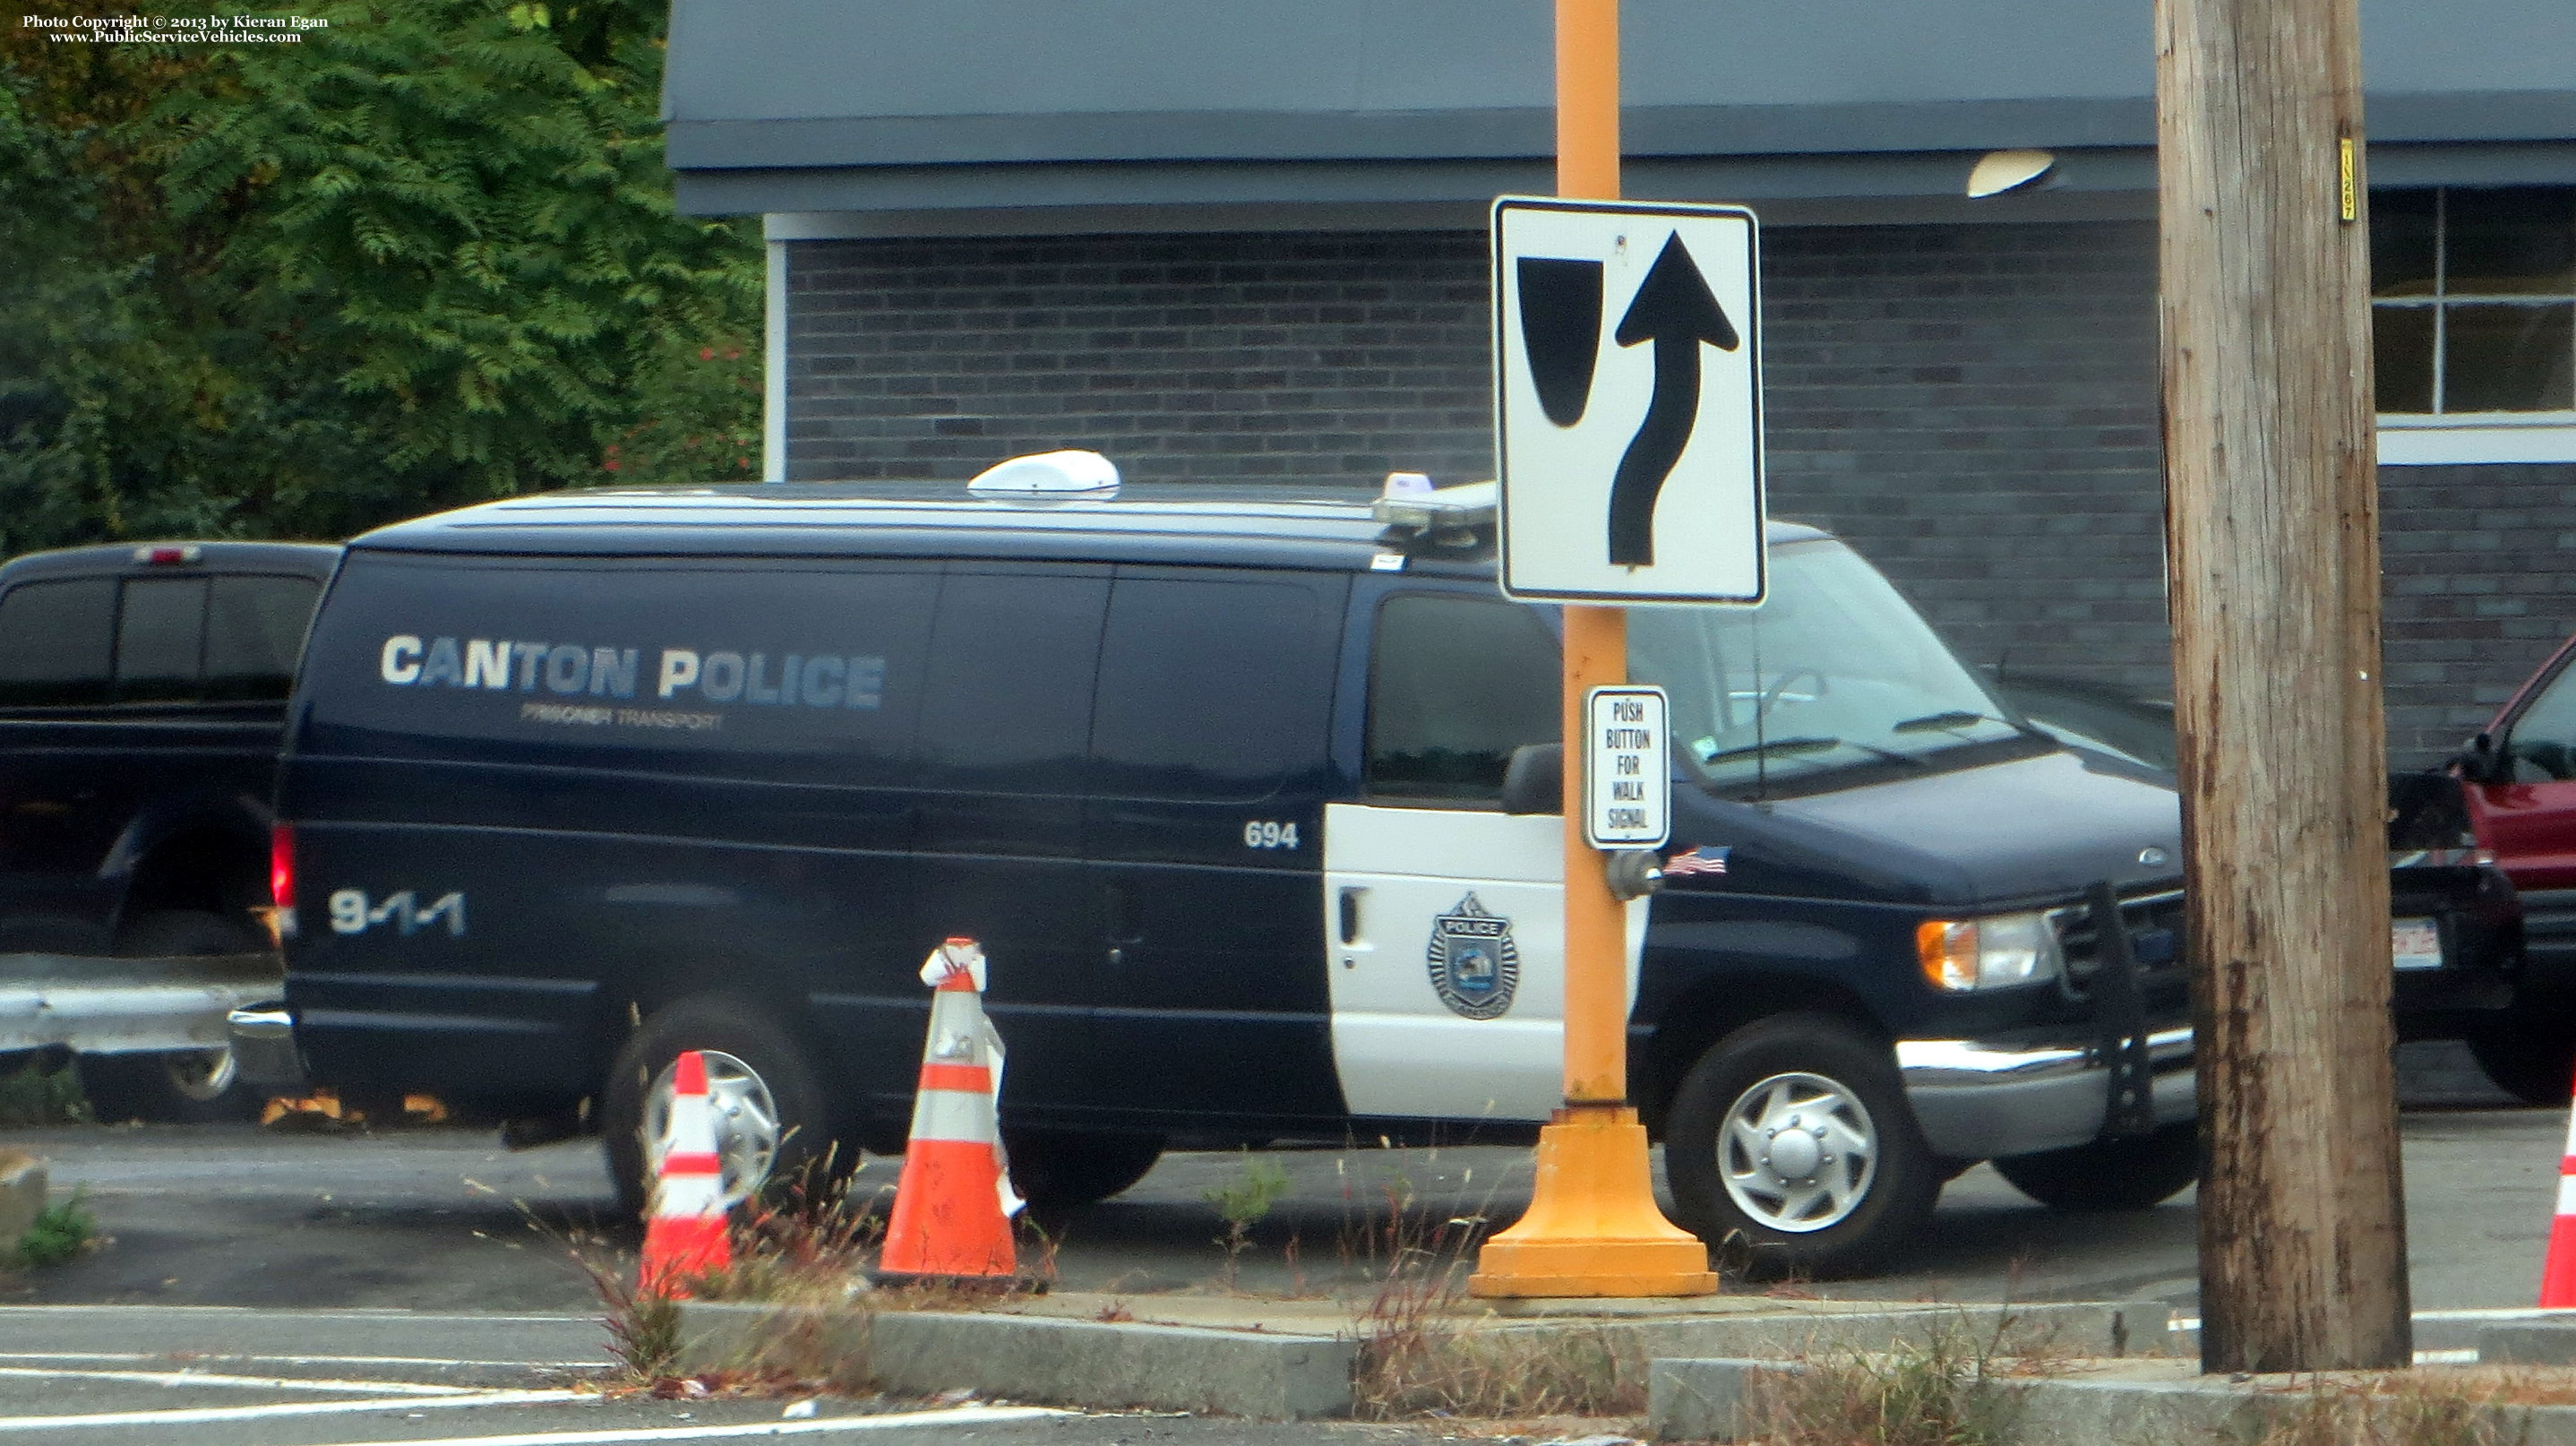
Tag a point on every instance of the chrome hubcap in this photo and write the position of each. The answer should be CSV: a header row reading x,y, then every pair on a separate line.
x,y
201,1074
1797,1153
746,1123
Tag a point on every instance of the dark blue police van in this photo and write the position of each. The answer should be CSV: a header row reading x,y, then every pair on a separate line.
x,y
1218,778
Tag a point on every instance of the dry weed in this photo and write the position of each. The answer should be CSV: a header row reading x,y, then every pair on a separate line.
x,y
1417,1359
805,1241
643,1325
2421,1407
1943,1393
1496,1371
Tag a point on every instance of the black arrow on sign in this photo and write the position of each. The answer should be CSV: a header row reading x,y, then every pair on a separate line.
x,y
1676,311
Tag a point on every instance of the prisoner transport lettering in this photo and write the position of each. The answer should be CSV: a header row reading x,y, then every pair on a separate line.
x,y
812,680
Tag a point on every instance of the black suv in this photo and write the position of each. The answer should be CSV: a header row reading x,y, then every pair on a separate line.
x,y
142,701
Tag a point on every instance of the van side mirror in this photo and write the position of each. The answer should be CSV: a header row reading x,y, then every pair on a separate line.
x,y
1534,781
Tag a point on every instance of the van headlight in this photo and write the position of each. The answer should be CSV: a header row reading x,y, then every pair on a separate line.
x,y
1988,953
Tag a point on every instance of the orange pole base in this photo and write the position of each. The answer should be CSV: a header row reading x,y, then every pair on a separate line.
x,y
1593,1229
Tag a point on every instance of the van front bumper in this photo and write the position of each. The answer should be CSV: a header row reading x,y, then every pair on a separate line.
x,y
1978,1101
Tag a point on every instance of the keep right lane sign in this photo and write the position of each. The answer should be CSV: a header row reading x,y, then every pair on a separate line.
x,y
1628,400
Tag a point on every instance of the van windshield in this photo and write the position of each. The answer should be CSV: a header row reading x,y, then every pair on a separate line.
x,y
1833,670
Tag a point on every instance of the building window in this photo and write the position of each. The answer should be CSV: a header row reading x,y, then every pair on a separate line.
x,y
2473,305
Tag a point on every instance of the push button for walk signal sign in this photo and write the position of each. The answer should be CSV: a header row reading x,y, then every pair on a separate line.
x,y
1627,772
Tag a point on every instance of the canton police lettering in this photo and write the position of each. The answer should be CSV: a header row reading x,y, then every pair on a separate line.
x,y
820,680
1475,967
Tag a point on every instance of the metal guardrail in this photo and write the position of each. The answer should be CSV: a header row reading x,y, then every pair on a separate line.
x,y
128,1006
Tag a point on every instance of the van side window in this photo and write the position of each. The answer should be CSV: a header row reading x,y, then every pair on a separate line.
x,y
1455,684
1210,690
160,639
2543,741
1008,702
254,629
54,640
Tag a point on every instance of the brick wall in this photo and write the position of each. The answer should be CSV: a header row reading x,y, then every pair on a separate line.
x,y
1973,406
1183,358
2481,569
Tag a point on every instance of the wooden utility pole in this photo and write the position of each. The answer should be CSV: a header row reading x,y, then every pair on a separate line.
x,y
2272,522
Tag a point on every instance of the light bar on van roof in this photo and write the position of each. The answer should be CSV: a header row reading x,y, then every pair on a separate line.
x,y
166,554
1461,516
1050,474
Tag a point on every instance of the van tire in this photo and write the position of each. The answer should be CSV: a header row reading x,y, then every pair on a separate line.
x,y
192,1087
2528,1056
742,1031
1061,1170
1799,1065
2139,1172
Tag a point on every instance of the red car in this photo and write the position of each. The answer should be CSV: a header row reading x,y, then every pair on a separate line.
x,y
2519,779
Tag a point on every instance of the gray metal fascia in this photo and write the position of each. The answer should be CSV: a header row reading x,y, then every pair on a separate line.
x,y
1066,199
1138,192
1670,131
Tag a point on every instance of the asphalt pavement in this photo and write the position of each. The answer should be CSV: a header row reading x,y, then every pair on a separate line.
x,y
303,1289
148,1407
445,1220
158,1375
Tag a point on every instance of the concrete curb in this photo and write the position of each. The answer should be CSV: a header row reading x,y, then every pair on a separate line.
x,y
2074,1329
1105,1365
2532,1343
1266,1375
1726,1401
22,1196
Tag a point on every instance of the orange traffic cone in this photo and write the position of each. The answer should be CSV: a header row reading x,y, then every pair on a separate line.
x,y
2558,1273
686,1234
954,1203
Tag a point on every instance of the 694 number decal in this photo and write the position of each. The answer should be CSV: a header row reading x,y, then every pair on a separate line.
x,y
1269,834
352,913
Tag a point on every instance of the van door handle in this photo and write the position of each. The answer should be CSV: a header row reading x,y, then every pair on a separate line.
x,y
1350,915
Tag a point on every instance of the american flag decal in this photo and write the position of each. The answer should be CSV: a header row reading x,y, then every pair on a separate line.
x,y
1710,860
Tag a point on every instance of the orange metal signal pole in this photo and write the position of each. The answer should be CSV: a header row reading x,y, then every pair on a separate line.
x,y
1593,1228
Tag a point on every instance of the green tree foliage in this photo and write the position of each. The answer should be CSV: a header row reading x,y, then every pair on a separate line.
x,y
426,256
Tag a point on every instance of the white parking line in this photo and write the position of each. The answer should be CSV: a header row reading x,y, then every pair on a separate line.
x,y
316,1313
951,1416
2480,1312
217,1378
113,1356
188,1416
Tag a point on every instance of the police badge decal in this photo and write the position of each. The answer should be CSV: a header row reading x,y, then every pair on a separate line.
x,y
1474,965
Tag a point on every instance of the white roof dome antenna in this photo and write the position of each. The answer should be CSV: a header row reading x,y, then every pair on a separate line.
x,y
1050,474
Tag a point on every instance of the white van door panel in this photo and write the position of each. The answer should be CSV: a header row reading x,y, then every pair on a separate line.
x,y
1445,933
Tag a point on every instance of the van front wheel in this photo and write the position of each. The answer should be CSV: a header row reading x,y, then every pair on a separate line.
x,y
1790,1148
